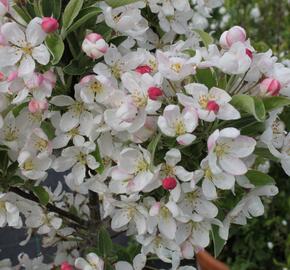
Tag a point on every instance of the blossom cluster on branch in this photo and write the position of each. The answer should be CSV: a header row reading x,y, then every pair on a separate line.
x,y
162,135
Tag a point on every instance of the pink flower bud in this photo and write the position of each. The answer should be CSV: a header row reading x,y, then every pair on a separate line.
x,y
154,93
4,7
2,77
12,76
249,53
235,34
50,77
66,266
49,24
212,106
35,106
143,69
169,183
270,86
94,46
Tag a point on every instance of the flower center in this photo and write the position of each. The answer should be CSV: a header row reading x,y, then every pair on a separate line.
x,y
77,108
142,166
179,127
165,213
176,67
208,174
28,165
27,50
168,170
82,158
96,87
139,100
221,149
10,135
73,132
2,205
41,144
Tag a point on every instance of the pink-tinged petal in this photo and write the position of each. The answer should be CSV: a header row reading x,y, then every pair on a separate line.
x,y
34,33
186,139
27,66
212,161
139,262
167,226
187,250
154,210
123,266
119,175
120,219
13,33
208,189
172,157
233,165
68,121
220,95
41,54
185,101
242,146
228,112
171,113
224,181
230,133
9,56
183,174
212,140
190,119
164,127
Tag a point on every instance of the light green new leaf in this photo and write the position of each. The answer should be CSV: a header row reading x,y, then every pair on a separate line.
x,y
205,37
273,103
70,13
251,105
105,244
218,242
119,3
84,16
55,46
41,194
258,178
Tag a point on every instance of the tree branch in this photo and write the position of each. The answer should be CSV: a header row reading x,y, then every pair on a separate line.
x,y
50,207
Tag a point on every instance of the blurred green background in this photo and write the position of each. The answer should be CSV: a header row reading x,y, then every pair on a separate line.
x,y
265,242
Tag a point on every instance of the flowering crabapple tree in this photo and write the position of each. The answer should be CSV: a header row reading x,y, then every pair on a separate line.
x,y
162,135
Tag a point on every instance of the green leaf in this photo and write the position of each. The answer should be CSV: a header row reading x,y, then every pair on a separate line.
x,y
258,178
4,160
41,194
55,46
205,37
105,243
51,8
48,129
104,30
16,181
12,168
22,13
218,242
118,40
251,105
272,103
265,153
205,76
16,111
119,3
70,13
96,154
79,66
153,145
85,15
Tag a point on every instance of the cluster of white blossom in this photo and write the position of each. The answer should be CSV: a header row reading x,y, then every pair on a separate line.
x,y
157,144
